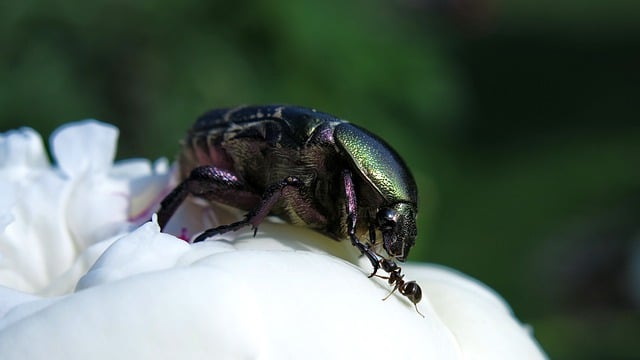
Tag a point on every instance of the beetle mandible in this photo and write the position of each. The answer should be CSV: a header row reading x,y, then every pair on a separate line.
x,y
308,168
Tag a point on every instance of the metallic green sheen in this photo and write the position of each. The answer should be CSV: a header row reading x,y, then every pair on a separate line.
x,y
378,163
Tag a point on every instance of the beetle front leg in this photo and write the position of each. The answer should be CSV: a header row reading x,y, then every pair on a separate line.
x,y
255,216
352,216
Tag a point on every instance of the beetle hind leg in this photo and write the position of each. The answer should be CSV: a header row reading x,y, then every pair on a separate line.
x,y
207,182
170,204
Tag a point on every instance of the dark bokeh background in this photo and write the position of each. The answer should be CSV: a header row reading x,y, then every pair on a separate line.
x,y
519,119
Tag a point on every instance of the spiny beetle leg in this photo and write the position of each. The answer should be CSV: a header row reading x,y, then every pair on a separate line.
x,y
352,215
208,182
255,216
170,204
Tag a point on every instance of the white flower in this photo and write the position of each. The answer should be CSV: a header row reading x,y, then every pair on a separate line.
x,y
60,212
287,293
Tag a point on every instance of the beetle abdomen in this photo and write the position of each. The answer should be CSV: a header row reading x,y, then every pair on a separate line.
x,y
228,138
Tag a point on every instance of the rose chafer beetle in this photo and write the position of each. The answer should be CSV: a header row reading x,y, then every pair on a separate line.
x,y
308,168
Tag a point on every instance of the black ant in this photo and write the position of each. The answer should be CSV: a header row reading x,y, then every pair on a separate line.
x,y
410,289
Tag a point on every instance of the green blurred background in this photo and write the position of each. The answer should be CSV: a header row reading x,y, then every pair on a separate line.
x,y
520,120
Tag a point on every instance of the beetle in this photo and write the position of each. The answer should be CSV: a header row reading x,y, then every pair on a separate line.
x,y
307,167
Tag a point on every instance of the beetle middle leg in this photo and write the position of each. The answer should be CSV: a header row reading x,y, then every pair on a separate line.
x,y
352,216
254,217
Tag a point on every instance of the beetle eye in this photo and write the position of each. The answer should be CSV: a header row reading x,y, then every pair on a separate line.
x,y
387,218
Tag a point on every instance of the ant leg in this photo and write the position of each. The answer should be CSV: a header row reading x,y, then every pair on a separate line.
x,y
255,216
391,293
352,216
392,269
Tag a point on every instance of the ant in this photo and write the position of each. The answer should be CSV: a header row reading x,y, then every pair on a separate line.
x,y
410,289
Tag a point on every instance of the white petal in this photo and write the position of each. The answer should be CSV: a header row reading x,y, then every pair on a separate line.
x,y
147,183
97,209
22,148
36,246
66,282
87,146
228,304
7,200
15,305
50,217
480,320
144,250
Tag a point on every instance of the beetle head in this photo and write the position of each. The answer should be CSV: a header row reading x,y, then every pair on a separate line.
x,y
397,223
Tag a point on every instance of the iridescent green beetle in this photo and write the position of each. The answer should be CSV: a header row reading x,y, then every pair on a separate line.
x,y
308,168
